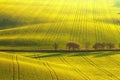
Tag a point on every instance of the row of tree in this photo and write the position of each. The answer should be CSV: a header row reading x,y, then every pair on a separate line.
x,y
102,46
97,46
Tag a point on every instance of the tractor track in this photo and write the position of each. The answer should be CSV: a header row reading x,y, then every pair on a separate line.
x,y
49,71
13,64
103,70
84,76
52,72
52,77
113,60
18,67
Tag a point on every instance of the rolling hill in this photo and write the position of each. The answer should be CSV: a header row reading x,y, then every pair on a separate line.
x,y
17,67
41,23
38,24
59,66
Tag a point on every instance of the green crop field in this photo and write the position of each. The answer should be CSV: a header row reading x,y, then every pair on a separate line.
x,y
40,23
36,25
59,66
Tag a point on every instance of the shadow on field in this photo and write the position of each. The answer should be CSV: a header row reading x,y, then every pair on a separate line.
x,y
74,54
96,54
51,53
8,21
110,21
104,54
46,56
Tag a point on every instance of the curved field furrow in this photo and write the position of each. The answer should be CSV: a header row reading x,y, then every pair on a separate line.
x,y
55,74
51,73
112,76
13,68
85,77
114,60
18,67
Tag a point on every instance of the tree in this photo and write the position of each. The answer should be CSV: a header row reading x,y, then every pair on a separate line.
x,y
55,46
99,46
73,46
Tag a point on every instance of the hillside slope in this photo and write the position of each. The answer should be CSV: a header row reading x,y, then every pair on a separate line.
x,y
26,24
16,67
59,66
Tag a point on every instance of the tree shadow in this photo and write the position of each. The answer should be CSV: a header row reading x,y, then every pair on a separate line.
x,y
49,54
46,56
83,54
76,54
97,54
104,54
